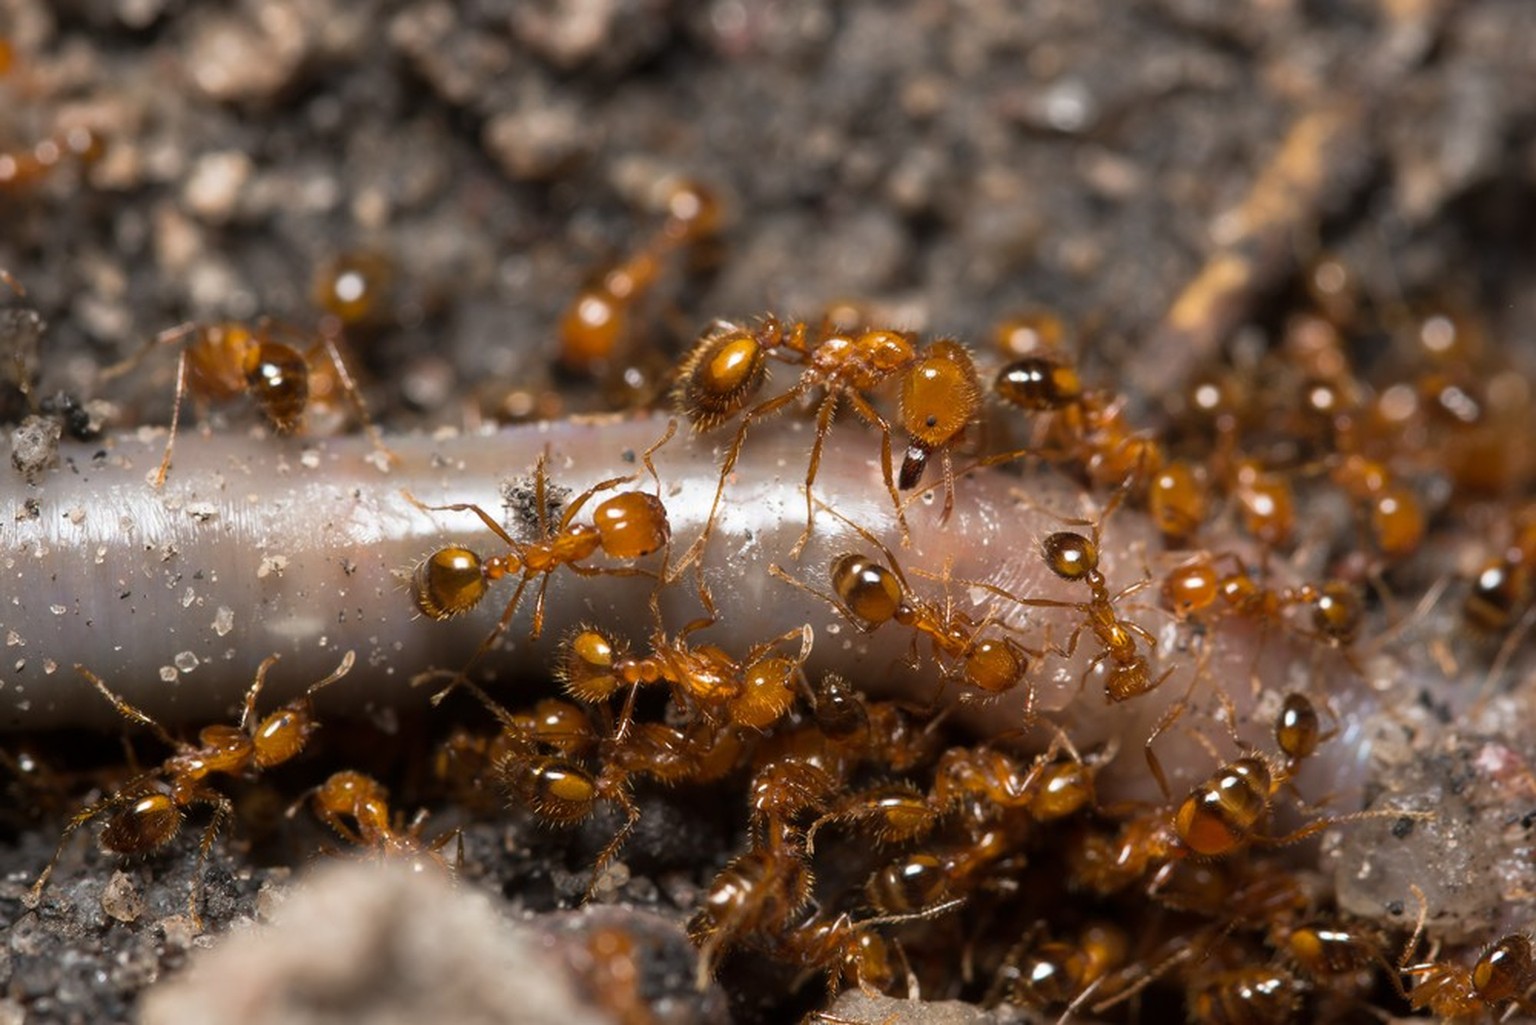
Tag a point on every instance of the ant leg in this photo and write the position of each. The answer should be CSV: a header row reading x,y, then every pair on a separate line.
x,y
35,893
1169,717
824,414
767,408
170,441
645,457
949,488
128,711
485,517
608,853
222,807
342,669
870,416
1315,827
349,385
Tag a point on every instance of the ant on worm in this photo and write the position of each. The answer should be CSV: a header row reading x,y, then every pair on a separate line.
x,y
226,359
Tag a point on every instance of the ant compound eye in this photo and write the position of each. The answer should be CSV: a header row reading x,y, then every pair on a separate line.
x,y
448,583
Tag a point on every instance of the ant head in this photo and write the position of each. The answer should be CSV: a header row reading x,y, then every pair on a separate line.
x,y
724,370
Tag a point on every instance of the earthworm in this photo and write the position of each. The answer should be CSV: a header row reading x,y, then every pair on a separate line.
x,y
301,547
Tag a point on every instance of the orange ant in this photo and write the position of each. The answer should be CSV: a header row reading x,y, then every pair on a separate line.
x,y
1502,976
758,893
223,360
1090,424
356,808
630,525
870,595
1194,586
1059,972
754,692
146,813
1073,557
1222,815
597,322
729,364
557,788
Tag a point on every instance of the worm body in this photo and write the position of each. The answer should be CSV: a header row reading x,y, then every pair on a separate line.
x,y
258,546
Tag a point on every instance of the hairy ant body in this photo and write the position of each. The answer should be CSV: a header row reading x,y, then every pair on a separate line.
x,y
146,813
727,368
221,361
630,525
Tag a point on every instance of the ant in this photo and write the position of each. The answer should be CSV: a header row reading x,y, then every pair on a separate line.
x,y
757,893
1502,590
356,808
597,323
1251,995
727,367
630,525
1222,814
870,595
1090,427
1075,558
1061,972
1194,586
222,360
146,813
1503,975
1392,510
753,692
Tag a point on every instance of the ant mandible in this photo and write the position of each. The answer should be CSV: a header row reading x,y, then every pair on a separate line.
x,y
147,812
226,359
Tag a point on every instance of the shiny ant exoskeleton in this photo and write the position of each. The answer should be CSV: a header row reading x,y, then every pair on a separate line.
x,y
630,525
356,808
728,366
871,594
597,325
146,813
266,361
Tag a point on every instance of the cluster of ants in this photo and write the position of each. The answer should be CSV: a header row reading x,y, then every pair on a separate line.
x,y
878,849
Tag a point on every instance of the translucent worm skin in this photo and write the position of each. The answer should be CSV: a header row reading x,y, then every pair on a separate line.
x,y
303,547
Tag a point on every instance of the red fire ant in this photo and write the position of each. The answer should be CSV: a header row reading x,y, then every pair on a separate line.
x,y
226,359
146,812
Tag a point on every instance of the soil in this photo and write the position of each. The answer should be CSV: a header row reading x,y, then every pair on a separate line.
x,y
942,164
